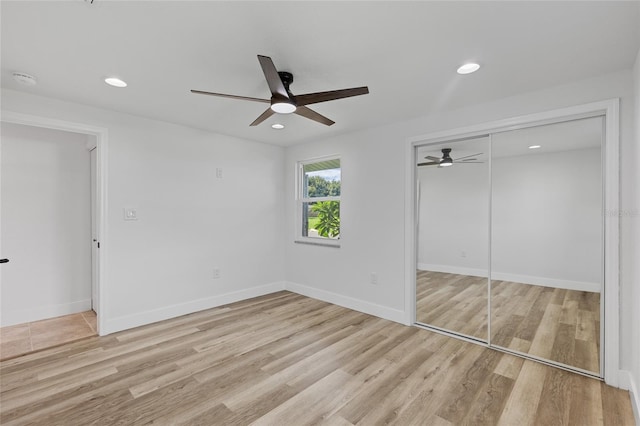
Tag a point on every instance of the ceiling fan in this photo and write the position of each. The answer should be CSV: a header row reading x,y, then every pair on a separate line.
x,y
447,161
283,101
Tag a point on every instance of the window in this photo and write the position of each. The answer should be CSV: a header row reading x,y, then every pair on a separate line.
x,y
318,202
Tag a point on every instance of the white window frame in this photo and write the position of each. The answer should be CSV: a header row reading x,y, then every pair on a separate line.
x,y
301,199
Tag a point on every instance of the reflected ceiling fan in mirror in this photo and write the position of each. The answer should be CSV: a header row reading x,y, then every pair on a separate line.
x,y
284,102
447,160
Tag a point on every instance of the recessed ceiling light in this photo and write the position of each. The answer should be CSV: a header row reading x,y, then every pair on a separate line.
x,y
115,82
468,68
25,79
277,126
534,146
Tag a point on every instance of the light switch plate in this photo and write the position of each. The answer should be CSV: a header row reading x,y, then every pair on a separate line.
x,y
130,214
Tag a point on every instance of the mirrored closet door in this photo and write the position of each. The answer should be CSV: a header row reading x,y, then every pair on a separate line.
x,y
547,242
453,237
510,241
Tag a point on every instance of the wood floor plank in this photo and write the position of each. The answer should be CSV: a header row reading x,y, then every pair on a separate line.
x,y
522,405
469,385
509,367
555,400
489,402
47,388
405,390
615,409
586,403
386,384
316,402
286,359
443,371
219,414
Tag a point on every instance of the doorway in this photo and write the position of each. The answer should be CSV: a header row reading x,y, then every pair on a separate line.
x,y
46,228
93,151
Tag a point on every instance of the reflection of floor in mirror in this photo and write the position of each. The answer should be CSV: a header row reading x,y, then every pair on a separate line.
x,y
453,302
552,323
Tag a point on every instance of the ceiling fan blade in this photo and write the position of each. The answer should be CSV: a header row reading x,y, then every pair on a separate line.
x,y
314,98
429,157
272,76
311,114
467,156
431,163
222,95
465,160
468,162
268,113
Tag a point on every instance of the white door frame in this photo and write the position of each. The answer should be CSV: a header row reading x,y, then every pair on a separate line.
x,y
101,138
611,174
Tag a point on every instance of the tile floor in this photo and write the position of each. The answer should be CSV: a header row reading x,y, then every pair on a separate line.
x,y
21,339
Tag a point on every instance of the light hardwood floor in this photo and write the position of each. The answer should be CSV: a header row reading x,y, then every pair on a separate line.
x,y
284,359
552,323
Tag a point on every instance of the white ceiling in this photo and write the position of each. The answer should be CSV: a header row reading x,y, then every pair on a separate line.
x,y
406,52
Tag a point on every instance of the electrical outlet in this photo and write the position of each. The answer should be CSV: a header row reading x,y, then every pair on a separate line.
x,y
216,273
374,278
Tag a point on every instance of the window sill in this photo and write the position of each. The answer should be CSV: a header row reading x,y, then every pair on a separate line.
x,y
318,243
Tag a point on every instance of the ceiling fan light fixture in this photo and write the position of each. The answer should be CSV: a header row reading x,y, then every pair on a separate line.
x,y
446,162
277,126
468,68
535,146
283,107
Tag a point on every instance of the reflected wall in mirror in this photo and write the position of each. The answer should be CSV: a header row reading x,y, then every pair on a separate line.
x,y
547,242
453,236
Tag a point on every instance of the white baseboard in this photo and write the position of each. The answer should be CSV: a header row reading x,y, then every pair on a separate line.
x,y
348,302
12,317
627,383
161,314
547,282
505,276
448,269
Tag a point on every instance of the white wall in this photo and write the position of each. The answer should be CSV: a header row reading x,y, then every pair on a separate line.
x,y
371,226
45,224
189,221
633,217
373,163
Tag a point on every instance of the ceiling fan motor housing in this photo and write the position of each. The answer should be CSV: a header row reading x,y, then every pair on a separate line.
x,y
287,79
